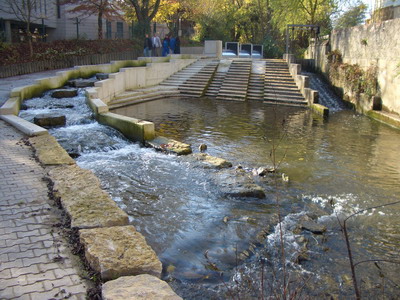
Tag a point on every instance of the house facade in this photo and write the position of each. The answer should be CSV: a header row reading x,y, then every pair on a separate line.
x,y
51,21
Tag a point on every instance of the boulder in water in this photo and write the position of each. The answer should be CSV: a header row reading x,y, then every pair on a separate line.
x,y
81,83
237,183
209,161
67,93
49,120
313,227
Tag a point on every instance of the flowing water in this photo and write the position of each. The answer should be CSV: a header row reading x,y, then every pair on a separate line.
x,y
213,246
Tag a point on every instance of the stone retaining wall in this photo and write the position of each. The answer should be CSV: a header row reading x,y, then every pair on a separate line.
x,y
376,44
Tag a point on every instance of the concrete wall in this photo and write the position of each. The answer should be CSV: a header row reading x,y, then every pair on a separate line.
x,y
132,78
368,45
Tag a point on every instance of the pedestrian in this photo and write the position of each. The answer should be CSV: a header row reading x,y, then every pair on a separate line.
x,y
156,45
147,46
165,49
172,44
177,45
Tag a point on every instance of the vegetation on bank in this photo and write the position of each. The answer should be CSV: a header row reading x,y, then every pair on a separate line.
x,y
58,50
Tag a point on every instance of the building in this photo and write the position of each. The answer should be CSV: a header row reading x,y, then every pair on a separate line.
x,y
386,10
51,21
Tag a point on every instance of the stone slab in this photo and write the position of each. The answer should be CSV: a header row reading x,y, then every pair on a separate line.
x,y
24,126
64,94
138,287
170,146
211,161
49,152
86,203
119,251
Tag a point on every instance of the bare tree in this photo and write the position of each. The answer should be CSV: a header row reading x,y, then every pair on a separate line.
x,y
26,11
102,8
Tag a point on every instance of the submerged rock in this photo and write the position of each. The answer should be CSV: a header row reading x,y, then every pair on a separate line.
x,y
313,227
237,183
138,287
211,161
64,94
263,171
49,120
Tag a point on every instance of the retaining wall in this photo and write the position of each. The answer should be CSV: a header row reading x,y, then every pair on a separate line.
x,y
376,44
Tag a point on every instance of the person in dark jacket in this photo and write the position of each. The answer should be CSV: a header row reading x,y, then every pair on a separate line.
x,y
172,44
148,46
177,45
165,46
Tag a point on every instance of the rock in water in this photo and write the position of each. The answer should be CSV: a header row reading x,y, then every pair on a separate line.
x,y
237,183
202,147
313,227
64,94
49,120
211,161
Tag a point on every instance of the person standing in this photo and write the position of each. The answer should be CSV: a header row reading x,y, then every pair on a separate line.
x,y
165,48
177,45
156,45
147,46
172,44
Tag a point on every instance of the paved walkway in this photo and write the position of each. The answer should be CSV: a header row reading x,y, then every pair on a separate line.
x,y
35,262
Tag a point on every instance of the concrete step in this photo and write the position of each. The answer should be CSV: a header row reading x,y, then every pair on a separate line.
x,y
282,96
285,100
285,104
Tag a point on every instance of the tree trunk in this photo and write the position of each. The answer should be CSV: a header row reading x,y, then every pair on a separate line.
x,y
100,25
29,38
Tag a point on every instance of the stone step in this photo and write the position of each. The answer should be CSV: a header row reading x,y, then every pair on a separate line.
x,y
230,98
283,92
285,104
284,96
286,100
269,83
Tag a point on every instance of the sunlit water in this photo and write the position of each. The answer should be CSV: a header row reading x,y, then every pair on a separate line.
x,y
336,167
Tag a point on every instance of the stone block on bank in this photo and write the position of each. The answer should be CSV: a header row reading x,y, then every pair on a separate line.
x,y
169,146
83,199
81,83
49,120
138,287
211,161
119,251
49,152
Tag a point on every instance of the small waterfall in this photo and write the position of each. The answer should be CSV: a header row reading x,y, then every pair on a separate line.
x,y
326,96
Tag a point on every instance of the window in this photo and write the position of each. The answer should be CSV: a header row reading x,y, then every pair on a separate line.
x,y
120,30
108,30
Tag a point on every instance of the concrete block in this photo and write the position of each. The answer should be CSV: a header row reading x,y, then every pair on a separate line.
x,y
133,129
320,109
98,106
22,125
11,107
213,48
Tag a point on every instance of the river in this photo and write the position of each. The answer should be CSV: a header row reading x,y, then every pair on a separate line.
x,y
213,246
